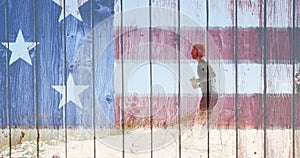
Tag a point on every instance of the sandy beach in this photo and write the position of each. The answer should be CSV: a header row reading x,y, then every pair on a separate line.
x,y
165,143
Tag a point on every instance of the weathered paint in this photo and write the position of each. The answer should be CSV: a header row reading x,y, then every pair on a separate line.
x,y
249,49
3,89
279,13
51,70
296,58
30,86
249,40
221,13
51,53
249,13
249,76
278,42
20,104
250,109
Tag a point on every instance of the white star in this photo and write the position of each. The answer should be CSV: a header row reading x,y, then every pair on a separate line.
x,y
71,8
20,49
73,92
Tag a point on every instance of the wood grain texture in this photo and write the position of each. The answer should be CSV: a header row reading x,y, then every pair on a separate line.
x,y
278,43
297,125
3,77
21,73
57,41
249,43
279,13
137,16
250,109
221,15
71,39
252,9
50,63
80,67
50,69
249,49
251,143
166,43
4,118
297,47
193,13
297,69
93,66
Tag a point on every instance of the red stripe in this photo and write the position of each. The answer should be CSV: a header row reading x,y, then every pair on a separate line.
x,y
250,110
250,43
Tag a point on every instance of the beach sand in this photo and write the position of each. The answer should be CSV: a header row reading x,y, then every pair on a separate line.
x,y
195,141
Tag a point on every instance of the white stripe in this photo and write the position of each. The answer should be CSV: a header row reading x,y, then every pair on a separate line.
x,y
279,78
193,13
165,75
279,13
135,13
248,13
220,13
139,17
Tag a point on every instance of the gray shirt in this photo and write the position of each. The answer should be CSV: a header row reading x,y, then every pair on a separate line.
x,y
206,78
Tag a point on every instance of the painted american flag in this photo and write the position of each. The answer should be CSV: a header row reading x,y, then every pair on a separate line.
x,y
56,71
41,40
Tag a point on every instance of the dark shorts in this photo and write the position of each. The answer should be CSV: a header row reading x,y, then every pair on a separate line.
x,y
208,102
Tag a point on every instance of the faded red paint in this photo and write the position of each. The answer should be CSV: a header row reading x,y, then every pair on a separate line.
x,y
279,45
250,110
250,44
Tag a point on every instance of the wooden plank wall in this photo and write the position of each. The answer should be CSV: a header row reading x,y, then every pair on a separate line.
x,y
133,71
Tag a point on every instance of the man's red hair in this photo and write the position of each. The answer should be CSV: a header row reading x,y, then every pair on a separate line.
x,y
200,51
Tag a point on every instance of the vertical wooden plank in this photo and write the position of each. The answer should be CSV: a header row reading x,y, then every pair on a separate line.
x,y
103,53
21,74
192,31
3,23
134,54
249,51
3,78
278,19
50,69
3,119
294,88
35,82
297,70
165,77
221,31
79,113
118,80
297,110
